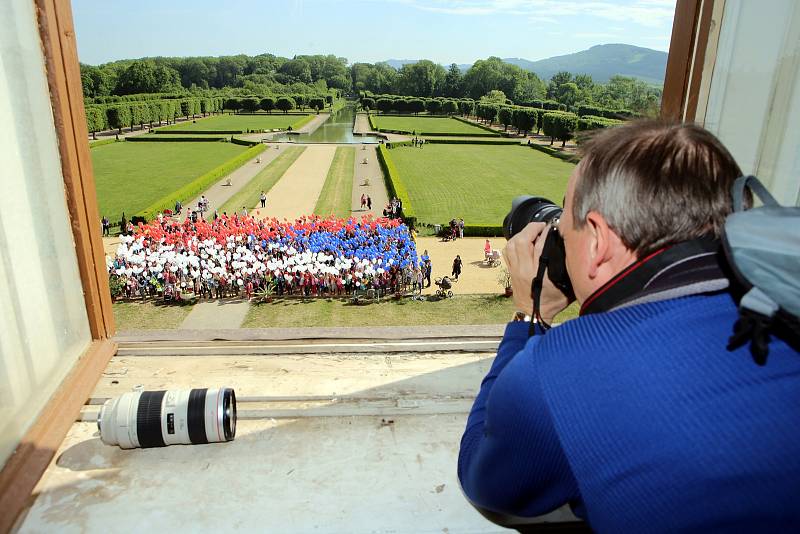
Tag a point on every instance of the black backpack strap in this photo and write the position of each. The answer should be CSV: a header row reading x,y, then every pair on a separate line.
x,y
756,187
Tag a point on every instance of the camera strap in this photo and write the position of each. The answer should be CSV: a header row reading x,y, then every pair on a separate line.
x,y
688,268
538,281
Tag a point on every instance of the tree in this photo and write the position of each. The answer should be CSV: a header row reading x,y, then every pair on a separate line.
x,y
384,104
452,82
423,78
494,96
233,104
556,81
367,103
416,105
317,103
504,116
298,70
251,104
119,116
147,77
285,103
433,105
267,104
524,119
466,107
450,107
300,101
560,125
95,120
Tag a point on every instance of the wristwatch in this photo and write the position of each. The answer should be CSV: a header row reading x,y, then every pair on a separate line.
x,y
521,317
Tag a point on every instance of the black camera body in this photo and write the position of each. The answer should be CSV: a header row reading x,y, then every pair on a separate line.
x,y
527,209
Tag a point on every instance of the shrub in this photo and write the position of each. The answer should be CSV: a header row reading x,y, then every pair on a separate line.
x,y
595,111
466,107
433,106
449,107
559,125
251,103
415,105
395,185
524,119
367,103
233,104
316,102
200,184
96,119
590,122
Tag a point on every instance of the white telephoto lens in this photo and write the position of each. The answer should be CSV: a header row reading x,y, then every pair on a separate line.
x,y
159,418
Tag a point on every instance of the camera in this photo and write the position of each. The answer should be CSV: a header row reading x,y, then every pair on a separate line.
x,y
160,418
527,209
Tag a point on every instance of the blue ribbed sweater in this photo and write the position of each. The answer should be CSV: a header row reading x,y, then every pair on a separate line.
x,y
642,421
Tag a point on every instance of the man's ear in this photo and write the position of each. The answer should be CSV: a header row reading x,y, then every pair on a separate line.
x,y
600,249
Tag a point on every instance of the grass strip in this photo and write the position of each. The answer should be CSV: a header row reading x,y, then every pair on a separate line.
x,y
461,309
263,181
337,193
149,315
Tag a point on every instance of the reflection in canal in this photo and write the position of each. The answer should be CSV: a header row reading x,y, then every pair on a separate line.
x,y
337,129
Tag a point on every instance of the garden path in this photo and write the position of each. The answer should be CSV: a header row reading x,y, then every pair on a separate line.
x,y
296,193
219,193
213,314
371,170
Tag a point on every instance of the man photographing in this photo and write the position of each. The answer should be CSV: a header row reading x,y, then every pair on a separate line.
x,y
636,414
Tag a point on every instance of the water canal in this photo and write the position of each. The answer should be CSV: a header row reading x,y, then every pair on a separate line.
x,y
337,129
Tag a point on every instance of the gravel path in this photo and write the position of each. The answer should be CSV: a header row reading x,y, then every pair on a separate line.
x,y
376,189
219,193
296,193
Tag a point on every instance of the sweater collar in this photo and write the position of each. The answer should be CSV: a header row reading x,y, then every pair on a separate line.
x,y
687,268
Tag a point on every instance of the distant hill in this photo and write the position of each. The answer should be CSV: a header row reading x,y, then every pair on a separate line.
x,y
600,61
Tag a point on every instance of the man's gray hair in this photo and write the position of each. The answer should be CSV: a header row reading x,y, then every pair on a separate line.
x,y
655,183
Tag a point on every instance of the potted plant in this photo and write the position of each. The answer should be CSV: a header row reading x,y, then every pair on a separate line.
x,y
504,279
267,293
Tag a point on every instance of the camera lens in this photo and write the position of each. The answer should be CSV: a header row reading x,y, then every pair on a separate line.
x,y
159,418
526,209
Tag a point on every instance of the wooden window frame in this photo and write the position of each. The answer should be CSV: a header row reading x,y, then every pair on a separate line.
x,y
687,50
25,467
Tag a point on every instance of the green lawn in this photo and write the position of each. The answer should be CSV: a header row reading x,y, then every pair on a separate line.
x,y
131,176
429,125
263,181
476,182
462,309
149,315
336,196
241,123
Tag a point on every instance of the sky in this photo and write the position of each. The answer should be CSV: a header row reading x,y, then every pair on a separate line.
x,y
445,31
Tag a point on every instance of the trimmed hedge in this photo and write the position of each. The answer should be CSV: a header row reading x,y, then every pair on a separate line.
x,y
477,125
176,139
590,122
200,184
571,158
196,132
473,141
244,142
395,185
483,231
102,142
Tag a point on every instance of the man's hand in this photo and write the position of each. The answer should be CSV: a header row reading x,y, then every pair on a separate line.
x,y
521,255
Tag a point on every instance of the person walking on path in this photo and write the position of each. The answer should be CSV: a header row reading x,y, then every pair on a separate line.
x,y
369,202
363,200
457,266
461,228
106,226
244,211
263,199
123,225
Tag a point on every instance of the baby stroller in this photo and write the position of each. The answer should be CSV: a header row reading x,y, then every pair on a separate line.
x,y
443,287
492,258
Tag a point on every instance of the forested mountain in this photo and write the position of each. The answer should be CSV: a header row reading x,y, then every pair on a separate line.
x,y
267,74
601,62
